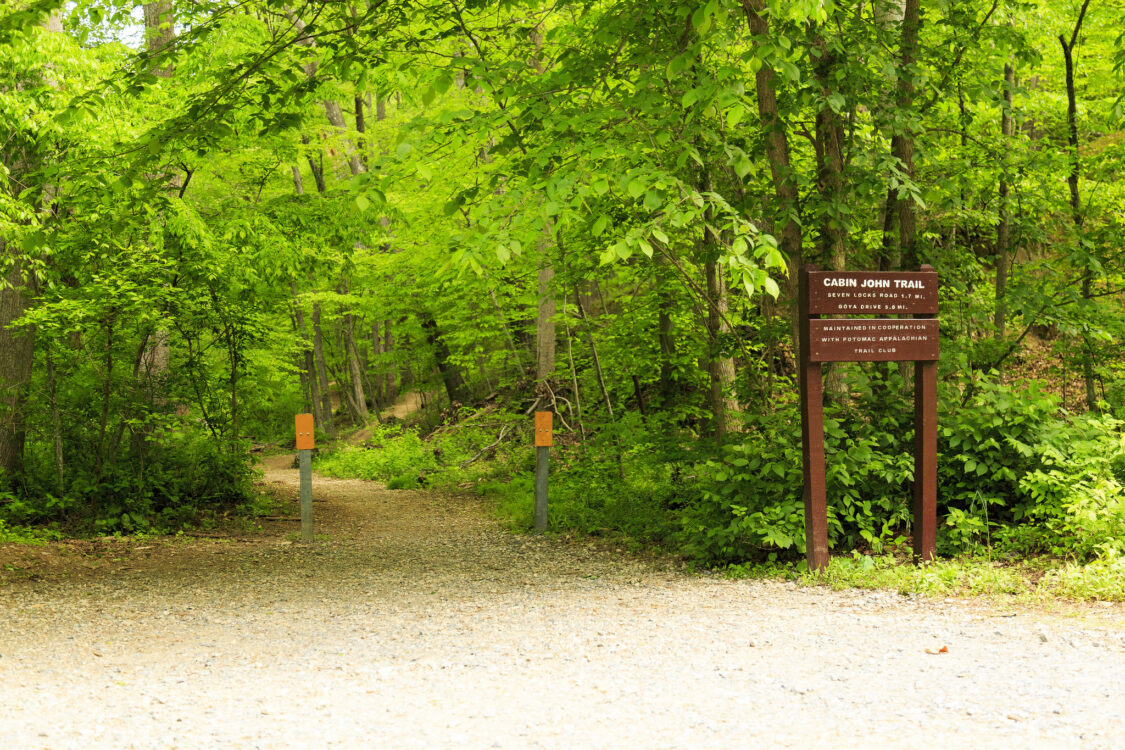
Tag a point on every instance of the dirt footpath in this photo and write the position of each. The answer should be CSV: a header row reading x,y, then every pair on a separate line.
x,y
417,623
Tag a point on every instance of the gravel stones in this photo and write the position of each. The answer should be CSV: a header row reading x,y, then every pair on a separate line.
x,y
420,624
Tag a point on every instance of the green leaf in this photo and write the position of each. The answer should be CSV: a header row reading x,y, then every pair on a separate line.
x,y
443,82
599,225
771,287
742,166
636,187
701,19
33,240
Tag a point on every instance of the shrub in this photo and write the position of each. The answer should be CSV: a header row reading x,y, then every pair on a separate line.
x,y
751,496
180,477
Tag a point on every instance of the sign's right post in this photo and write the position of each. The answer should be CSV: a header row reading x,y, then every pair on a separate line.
x,y
925,453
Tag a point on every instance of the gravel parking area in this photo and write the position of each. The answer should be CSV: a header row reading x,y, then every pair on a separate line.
x,y
419,623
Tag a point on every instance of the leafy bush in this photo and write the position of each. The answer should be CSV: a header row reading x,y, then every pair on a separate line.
x,y
1011,472
751,496
1075,496
25,535
623,480
180,477
987,445
391,451
399,456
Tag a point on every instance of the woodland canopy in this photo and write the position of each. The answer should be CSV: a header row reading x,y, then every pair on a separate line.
x,y
215,215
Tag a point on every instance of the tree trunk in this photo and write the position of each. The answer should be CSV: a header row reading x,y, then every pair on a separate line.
x,y
830,165
322,372
1003,230
1075,196
830,187
593,352
336,116
545,314
889,256
377,388
720,368
298,183
160,30
316,166
361,128
359,398
17,347
665,332
902,144
777,151
56,423
450,374
406,372
309,365
390,387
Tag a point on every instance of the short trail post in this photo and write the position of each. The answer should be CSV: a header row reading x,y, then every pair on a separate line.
x,y
304,454
544,439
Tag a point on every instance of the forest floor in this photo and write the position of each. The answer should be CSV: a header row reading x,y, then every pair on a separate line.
x,y
416,621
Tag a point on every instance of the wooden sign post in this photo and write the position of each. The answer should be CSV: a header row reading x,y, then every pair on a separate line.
x,y
869,340
305,444
544,439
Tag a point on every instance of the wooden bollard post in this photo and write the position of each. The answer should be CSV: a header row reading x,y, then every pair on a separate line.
x,y
304,453
544,439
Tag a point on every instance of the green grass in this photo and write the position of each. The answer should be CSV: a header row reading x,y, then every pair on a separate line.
x,y
1031,580
27,535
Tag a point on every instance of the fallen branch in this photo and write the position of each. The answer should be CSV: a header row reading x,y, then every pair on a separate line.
x,y
487,448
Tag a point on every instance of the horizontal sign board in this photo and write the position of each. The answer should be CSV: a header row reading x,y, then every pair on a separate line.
x,y
889,340
873,293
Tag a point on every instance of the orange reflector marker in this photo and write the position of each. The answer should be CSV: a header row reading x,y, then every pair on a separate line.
x,y
305,432
544,429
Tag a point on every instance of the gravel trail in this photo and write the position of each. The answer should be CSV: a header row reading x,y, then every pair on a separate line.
x,y
418,623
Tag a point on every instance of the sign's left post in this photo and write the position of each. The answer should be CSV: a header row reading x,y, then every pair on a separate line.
x,y
305,445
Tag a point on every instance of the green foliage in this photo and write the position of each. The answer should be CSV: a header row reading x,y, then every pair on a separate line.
x,y
181,478
400,457
1049,484
190,223
1075,495
389,453
1102,579
750,496
10,534
968,575
624,480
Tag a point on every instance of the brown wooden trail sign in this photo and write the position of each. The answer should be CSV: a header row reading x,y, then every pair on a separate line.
x,y
869,340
